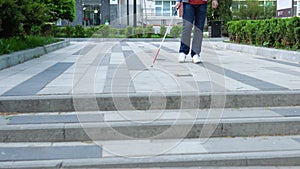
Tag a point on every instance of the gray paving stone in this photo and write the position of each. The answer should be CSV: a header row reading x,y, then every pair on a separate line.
x,y
281,62
106,60
44,119
84,50
284,70
133,62
221,145
257,83
116,48
165,48
49,153
39,81
288,112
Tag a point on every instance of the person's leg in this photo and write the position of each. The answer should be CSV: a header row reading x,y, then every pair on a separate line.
x,y
187,25
200,16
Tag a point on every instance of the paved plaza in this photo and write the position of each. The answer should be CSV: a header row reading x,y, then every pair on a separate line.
x,y
124,67
98,103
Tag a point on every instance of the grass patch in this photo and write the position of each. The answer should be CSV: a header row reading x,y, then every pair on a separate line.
x,y
21,43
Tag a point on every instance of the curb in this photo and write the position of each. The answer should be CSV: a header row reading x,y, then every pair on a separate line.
x,y
143,101
271,53
15,58
276,158
104,131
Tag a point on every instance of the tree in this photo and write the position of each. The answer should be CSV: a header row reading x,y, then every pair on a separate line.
x,y
19,17
251,9
34,14
221,13
11,18
61,9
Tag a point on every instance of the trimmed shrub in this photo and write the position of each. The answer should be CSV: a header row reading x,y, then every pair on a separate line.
x,y
138,32
79,31
275,32
149,31
129,31
104,31
162,30
175,31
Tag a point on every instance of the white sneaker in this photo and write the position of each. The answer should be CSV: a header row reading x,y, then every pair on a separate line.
x,y
196,59
181,58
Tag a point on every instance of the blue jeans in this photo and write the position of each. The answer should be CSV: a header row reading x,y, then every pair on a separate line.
x,y
193,15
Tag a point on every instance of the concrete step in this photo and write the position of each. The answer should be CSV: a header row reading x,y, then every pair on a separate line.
x,y
146,101
164,124
238,152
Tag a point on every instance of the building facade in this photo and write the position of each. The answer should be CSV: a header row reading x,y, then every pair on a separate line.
x,y
119,13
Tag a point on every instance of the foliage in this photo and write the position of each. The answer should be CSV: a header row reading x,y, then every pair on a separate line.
x,y
129,31
251,9
34,14
63,9
162,30
90,31
175,31
148,31
138,32
12,17
25,17
104,31
69,30
79,31
276,32
221,13
20,43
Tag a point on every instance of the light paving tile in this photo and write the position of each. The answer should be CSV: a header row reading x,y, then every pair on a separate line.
x,y
152,148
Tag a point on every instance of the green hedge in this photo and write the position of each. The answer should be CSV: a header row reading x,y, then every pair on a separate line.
x,y
20,43
276,32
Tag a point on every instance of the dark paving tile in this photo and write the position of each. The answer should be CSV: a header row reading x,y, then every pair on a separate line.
x,y
257,83
124,44
49,153
106,60
39,81
289,112
280,62
133,62
84,50
46,119
116,48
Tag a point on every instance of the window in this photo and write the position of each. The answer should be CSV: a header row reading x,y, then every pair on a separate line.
x,y
165,8
158,11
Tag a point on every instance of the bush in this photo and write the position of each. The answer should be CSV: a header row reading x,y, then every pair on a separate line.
x,y
21,43
90,31
274,32
113,31
104,31
69,31
79,31
129,31
138,32
148,31
175,31
162,30
121,31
